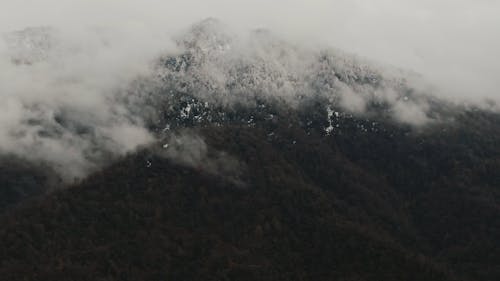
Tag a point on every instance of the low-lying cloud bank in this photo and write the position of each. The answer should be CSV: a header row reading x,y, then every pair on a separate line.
x,y
189,149
59,97
68,80
453,43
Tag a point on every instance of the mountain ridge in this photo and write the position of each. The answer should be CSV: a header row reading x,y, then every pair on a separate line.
x,y
275,164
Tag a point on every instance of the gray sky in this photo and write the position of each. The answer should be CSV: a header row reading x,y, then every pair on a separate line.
x,y
454,43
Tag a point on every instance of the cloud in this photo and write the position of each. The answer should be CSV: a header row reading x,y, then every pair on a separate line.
x,y
189,149
454,43
63,83
59,97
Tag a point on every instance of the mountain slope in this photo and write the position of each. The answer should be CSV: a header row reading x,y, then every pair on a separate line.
x,y
270,162
306,206
135,222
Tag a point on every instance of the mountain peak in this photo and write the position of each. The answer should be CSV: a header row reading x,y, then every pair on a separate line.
x,y
208,35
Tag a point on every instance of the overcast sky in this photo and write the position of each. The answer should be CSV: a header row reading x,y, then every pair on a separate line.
x,y
455,43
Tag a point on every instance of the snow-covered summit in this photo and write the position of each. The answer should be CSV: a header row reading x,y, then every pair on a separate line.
x,y
223,69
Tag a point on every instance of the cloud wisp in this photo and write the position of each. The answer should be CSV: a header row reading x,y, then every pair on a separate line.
x,y
66,68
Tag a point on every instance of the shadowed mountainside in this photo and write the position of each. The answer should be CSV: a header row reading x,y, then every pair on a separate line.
x,y
391,204
272,163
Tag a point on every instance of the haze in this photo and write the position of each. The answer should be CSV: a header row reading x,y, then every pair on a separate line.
x,y
454,44
103,45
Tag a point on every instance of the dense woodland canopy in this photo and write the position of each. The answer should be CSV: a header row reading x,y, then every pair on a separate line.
x,y
287,184
392,203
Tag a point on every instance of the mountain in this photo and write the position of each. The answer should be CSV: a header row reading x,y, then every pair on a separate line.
x,y
271,162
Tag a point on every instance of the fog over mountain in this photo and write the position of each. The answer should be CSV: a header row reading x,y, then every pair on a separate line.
x,y
451,42
69,71
250,140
